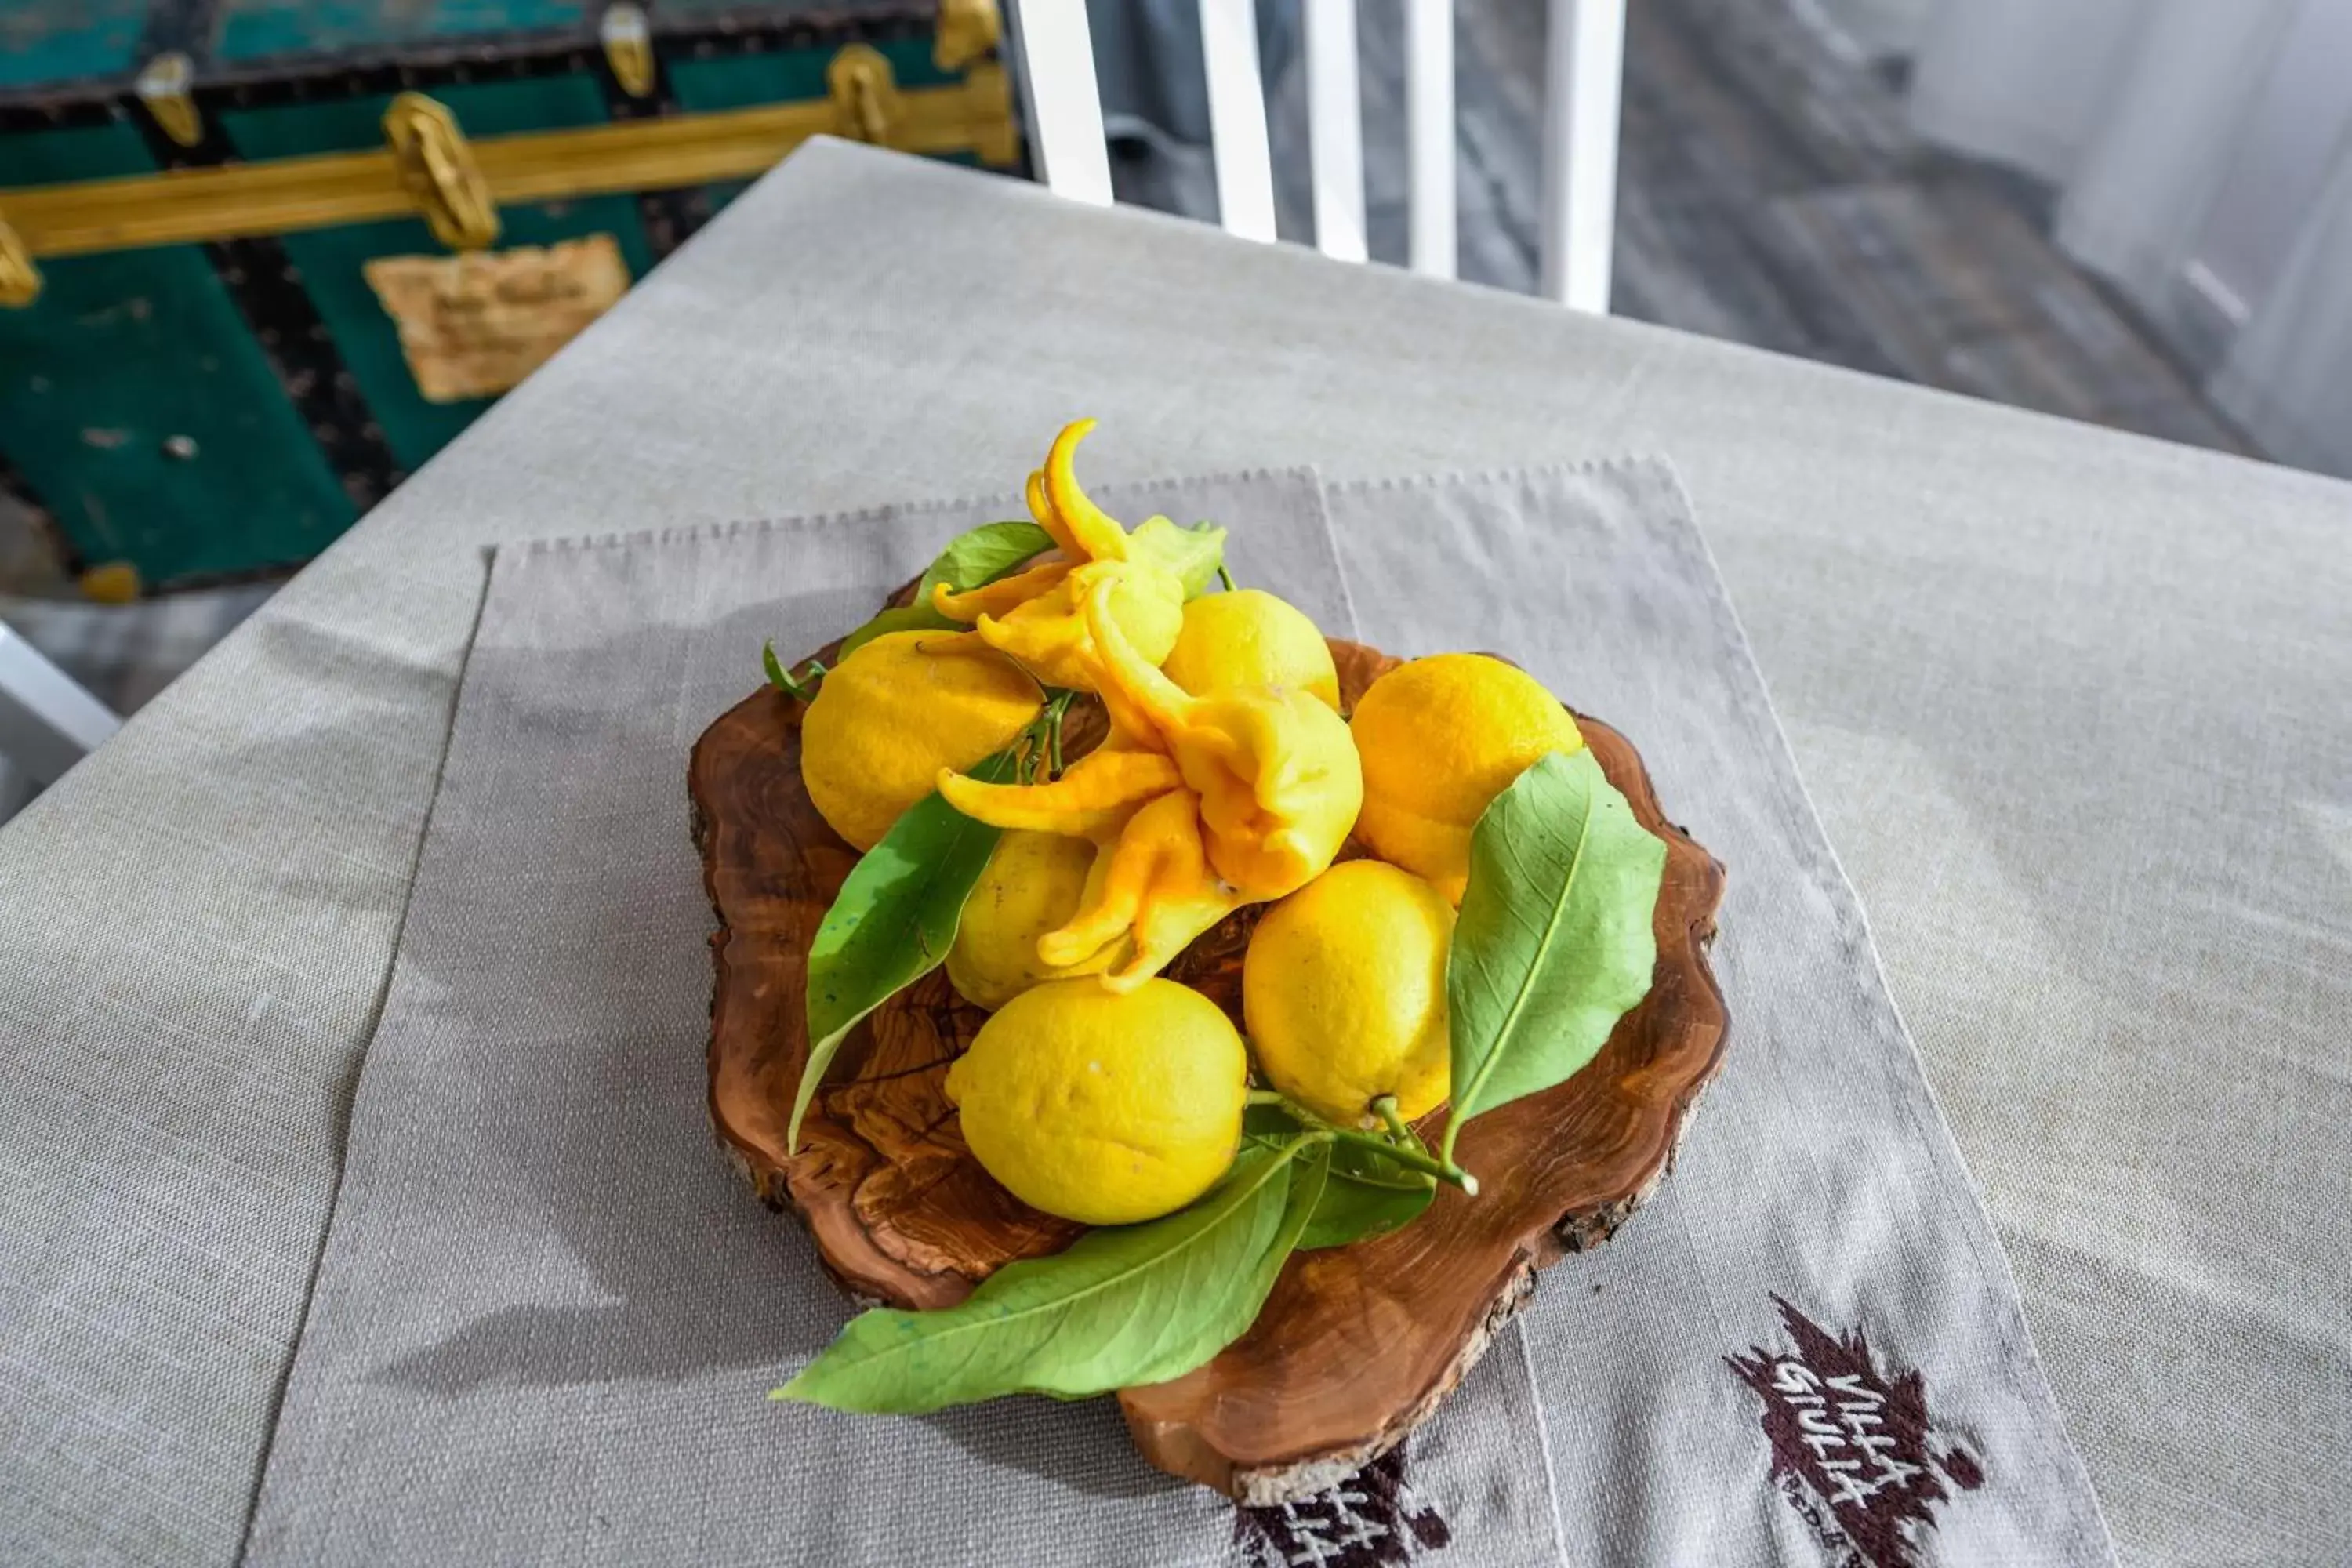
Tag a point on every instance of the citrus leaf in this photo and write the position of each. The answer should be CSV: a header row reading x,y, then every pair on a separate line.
x,y
897,618
1123,1305
1553,944
803,689
1365,1196
1193,553
1270,1125
972,559
892,922
981,555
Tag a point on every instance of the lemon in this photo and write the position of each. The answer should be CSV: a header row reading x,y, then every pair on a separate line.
x,y
1104,1107
1248,637
1031,885
894,713
1441,738
1344,989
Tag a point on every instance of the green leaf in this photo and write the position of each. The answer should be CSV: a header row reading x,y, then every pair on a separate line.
x,y
1365,1194
1553,944
1126,1305
892,922
804,689
898,618
971,559
1195,554
981,555
1271,1125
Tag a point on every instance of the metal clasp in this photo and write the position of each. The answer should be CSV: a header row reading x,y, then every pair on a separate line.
x,y
967,30
438,170
20,281
163,85
989,93
628,41
865,93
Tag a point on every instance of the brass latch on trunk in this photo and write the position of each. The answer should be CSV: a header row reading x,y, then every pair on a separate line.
x,y
967,30
865,102
439,171
163,85
20,281
628,41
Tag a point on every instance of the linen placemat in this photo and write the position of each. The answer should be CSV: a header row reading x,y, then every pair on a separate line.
x,y
547,1313
1808,1348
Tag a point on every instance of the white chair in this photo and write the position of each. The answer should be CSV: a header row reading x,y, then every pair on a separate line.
x,y
48,723
1584,67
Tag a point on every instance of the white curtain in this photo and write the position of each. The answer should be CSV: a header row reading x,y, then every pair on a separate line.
x,y
2202,149
2288,376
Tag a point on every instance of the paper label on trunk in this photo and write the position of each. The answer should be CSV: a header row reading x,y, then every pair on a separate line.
x,y
472,325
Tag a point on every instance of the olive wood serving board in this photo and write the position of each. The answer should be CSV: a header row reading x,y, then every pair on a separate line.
x,y
1356,1345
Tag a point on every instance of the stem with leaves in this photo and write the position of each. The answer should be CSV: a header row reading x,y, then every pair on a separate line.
x,y
1041,743
1398,1144
1056,711
782,679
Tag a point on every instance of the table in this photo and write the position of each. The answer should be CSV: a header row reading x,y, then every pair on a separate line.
x,y
2071,705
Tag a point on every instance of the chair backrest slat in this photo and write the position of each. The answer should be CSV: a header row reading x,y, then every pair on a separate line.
x,y
1237,118
1584,65
1060,99
1584,62
1335,128
1429,134
48,723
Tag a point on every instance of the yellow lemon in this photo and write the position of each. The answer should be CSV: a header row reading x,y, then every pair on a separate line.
x,y
1248,637
1344,990
1441,738
1100,1106
893,714
1031,885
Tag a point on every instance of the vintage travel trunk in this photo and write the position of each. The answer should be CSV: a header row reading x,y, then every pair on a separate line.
x,y
260,259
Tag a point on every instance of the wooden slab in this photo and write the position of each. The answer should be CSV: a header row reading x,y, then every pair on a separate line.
x,y
1356,1345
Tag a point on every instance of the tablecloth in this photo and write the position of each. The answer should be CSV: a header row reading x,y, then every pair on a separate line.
x,y
2071,696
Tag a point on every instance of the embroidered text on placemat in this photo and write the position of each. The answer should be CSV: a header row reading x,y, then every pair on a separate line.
x,y
1858,1440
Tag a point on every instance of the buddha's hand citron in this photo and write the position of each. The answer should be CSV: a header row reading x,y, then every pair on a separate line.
x,y
895,712
1344,992
1202,804
1249,638
1440,738
1104,1107
1039,616
1033,885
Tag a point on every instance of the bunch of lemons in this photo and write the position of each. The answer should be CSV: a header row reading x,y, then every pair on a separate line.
x,y
1097,1089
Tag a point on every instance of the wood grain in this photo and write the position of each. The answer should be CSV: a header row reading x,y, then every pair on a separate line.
x,y
1356,1345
